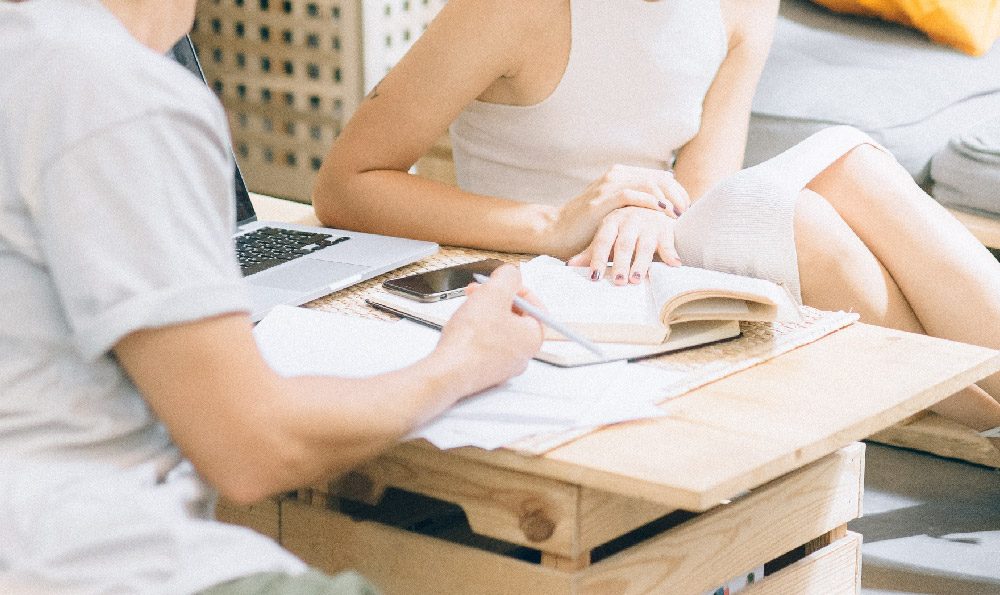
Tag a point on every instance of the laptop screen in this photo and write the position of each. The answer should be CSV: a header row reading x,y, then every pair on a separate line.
x,y
183,53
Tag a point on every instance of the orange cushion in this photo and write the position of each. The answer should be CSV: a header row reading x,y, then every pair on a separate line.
x,y
968,25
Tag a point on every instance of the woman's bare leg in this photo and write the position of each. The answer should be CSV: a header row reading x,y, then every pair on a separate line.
x,y
839,272
950,280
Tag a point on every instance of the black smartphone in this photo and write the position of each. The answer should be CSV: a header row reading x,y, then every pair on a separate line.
x,y
440,284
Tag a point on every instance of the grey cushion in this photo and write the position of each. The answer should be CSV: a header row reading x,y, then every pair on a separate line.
x,y
908,93
966,173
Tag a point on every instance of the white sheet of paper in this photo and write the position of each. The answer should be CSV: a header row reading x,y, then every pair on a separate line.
x,y
300,341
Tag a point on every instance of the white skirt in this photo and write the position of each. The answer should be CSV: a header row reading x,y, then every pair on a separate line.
x,y
745,223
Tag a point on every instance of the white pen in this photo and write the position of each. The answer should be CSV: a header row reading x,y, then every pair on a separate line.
x,y
543,317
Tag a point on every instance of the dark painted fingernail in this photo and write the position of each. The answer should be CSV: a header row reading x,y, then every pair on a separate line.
x,y
636,276
663,205
596,275
677,211
619,277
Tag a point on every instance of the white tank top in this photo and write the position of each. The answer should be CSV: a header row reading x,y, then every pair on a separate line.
x,y
631,94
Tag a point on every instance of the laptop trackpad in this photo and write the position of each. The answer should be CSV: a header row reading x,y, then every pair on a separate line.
x,y
305,274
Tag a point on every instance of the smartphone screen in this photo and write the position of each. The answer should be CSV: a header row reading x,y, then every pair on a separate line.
x,y
440,284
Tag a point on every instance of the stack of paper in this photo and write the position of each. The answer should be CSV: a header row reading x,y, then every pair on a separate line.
x,y
300,341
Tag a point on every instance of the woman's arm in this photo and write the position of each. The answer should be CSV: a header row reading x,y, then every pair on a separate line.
x,y
717,150
251,433
501,51
364,184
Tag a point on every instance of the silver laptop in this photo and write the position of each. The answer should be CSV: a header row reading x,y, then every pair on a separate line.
x,y
293,264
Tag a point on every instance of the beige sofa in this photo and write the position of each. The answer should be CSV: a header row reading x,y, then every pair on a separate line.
x,y
936,109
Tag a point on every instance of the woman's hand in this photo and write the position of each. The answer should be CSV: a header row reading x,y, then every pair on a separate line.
x,y
621,186
635,235
492,342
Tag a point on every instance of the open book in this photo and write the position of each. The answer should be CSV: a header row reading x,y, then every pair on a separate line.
x,y
674,308
649,313
567,353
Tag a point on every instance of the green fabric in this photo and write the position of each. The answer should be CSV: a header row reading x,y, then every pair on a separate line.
x,y
312,582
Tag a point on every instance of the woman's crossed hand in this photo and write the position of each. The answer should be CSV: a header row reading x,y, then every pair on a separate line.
x,y
627,216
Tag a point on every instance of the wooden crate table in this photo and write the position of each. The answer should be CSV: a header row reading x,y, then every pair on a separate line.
x,y
550,536
759,467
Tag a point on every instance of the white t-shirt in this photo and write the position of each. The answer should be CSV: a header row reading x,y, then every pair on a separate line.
x,y
116,213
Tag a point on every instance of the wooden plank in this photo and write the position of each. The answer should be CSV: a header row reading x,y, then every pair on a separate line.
x,y
763,422
605,516
437,163
401,562
433,167
833,570
276,209
554,517
565,564
714,547
275,178
826,539
519,508
263,517
985,228
408,564
942,437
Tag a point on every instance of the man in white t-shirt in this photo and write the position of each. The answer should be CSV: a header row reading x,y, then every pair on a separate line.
x,y
131,388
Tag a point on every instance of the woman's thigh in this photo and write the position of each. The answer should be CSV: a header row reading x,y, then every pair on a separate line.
x,y
837,271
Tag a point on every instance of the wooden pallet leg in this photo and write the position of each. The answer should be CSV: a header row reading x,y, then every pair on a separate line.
x,y
826,539
564,563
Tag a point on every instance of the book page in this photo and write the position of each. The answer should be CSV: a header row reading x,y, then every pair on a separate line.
x,y
712,308
674,285
568,353
570,295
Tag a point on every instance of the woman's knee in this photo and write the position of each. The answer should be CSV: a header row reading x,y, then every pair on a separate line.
x,y
864,171
867,160
823,241
836,269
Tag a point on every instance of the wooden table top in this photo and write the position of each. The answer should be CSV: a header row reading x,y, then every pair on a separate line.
x,y
760,423
754,426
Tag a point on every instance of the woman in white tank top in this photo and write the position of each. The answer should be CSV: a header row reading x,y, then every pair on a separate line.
x,y
584,128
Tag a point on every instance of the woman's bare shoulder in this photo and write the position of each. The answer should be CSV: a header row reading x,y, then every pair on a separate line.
x,y
526,15
524,37
518,17
750,21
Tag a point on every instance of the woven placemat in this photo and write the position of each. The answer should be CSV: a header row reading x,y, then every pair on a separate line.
x,y
758,342
352,299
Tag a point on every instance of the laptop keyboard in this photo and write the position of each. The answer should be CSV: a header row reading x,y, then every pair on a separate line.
x,y
267,247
